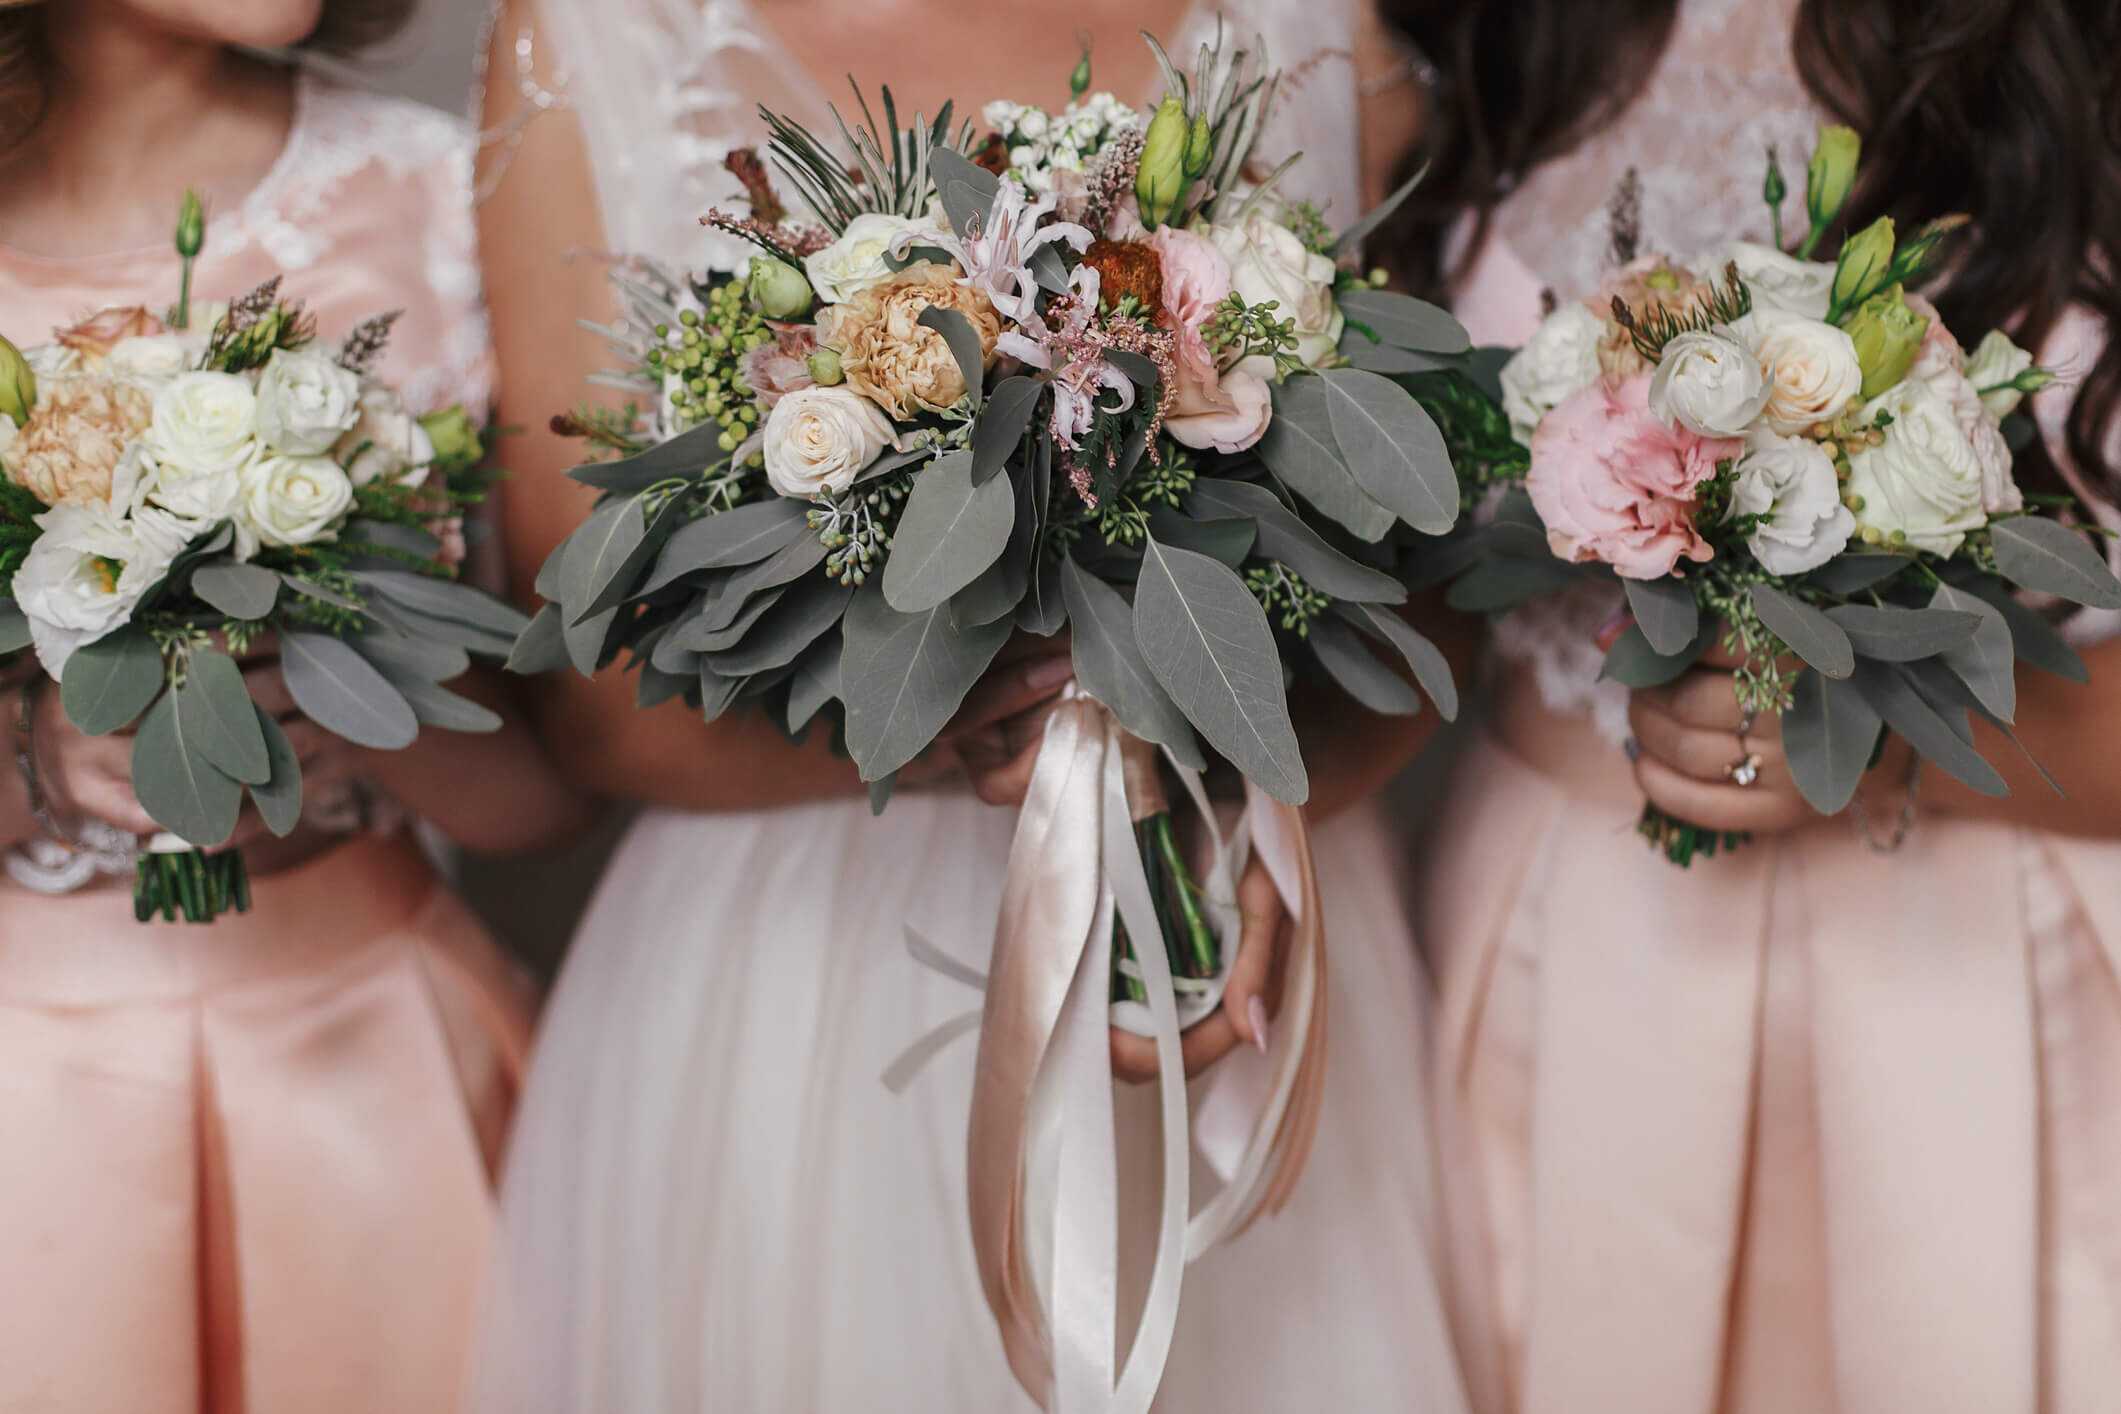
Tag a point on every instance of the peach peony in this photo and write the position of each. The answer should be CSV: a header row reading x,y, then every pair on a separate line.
x,y
69,449
888,356
94,337
1612,483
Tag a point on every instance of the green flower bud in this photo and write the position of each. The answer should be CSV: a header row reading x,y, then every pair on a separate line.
x,y
1917,256
779,289
1079,81
1830,174
191,225
1774,188
825,368
1887,335
455,436
1161,182
1866,260
1199,146
18,385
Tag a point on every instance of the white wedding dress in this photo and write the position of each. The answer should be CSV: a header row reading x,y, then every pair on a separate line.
x,y
713,1202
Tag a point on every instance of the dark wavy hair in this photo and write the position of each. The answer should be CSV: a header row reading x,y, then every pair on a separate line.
x,y
2006,110
345,28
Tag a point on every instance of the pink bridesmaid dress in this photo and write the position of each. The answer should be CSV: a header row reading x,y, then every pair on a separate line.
x,y
249,1167
1805,1129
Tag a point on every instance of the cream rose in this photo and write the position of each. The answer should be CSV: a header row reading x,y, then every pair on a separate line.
x,y
1269,265
1240,423
1923,482
1710,383
1781,282
1557,362
290,501
1812,369
80,428
305,401
1994,362
861,257
1791,484
87,571
384,442
819,439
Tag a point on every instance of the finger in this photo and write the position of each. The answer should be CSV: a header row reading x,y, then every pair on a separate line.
x,y
1706,698
1262,936
1004,692
268,688
1614,627
1133,1057
113,802
1743,809
1009,782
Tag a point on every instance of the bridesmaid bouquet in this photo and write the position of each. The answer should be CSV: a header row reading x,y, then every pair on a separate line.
x,y
184,490
1794,458
1084,370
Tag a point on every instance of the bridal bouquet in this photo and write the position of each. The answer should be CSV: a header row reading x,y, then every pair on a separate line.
x,y
183,491
1082,371
1796,459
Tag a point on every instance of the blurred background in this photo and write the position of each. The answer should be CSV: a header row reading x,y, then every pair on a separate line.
x,y
432,59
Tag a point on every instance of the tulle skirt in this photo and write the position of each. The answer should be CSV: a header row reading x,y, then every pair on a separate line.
x,y
713,1203
247,1166
1801,1128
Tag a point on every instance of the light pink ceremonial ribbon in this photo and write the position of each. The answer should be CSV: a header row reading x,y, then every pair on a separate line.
x,y
1041,1180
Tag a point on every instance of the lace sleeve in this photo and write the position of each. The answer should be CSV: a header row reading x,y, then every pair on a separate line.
x,y
2070,351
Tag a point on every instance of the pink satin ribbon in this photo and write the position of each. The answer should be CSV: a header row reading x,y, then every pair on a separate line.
x,y
1041,1180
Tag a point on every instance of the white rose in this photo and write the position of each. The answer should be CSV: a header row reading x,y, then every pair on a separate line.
x,y
1812,368
1269,265
290,501
305,401
385,441
1559,361
1710,382
861,257
1924,481
149,360
1994,362
86,572
819,439
201,437
1936,368
1778,281
1792,484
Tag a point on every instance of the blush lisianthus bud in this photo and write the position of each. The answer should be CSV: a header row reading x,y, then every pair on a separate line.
x,y
1161,180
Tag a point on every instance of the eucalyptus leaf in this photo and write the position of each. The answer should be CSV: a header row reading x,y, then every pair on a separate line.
x,y
1405,322
1140,370
1503,582
903,676
784,566
1392,447
803,614
657,687
727,539
1299,449
405,539
1857,570
1110,666
1631,661
14,628
1986,663
587,641
1228,538
816,682
215,718
437,706
965,347
279,796
1907,712
2048,557
179,787
951,167
1207,641
1666,611
717,692
1828,737
2035,640
541,647
1342,654
880,792
111,681
341,691
1043,611
436,598
1376,216
1361,351
686,456
395,653
708,635
1284,536
486,642
595,559
949,533
609,583
1810,634
564,581
237,590
1002,424
1902,635
1431,669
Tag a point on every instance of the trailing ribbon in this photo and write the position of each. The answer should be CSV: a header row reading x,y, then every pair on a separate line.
x,y
1041,1151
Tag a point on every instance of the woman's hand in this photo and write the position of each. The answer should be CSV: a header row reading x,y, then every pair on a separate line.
x,y
1692,739
996,733
1250,995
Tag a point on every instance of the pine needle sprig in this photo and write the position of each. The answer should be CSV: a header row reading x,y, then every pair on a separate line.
x,y
1723,304
894,182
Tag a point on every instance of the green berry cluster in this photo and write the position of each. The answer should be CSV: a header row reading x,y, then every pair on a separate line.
x,y
856,528
701,361
1285,595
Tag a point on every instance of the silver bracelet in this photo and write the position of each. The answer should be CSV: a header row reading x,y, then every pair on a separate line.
x,y
1903,824
26,763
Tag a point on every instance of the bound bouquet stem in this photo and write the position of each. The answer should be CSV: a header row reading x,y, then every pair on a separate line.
x,y
1188,939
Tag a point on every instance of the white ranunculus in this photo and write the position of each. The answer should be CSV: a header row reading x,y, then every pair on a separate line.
x,y
1924,481
1270,265
1559,361
1812,368
1937,368
385,442
1780,282
861,257
290,501
148,360
1793,484
203,422
1994,362
87,571
1709,382
305,401
817,440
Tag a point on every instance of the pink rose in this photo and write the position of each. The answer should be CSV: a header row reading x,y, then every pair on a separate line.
x,y
1227,430
1613,483
1226,411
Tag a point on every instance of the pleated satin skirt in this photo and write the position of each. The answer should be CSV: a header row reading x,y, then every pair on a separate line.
x,y
248,1166
1804,1129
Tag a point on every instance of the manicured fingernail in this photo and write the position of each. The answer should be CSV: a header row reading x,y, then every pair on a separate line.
x,y
1619,621
1633,748
1051,672
1256,1013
